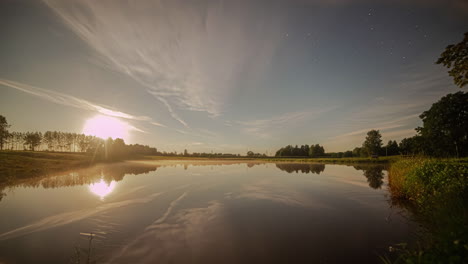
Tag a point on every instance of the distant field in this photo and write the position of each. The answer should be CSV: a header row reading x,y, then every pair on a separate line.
x,y
26,164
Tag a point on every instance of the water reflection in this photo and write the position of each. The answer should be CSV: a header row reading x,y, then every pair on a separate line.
x,y
301,167
102,173
102,188
103,178
373,173
257,215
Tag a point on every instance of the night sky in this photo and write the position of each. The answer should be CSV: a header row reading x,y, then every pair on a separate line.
x,y
227,76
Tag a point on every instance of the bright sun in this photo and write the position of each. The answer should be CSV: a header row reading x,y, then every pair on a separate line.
x,y
105,127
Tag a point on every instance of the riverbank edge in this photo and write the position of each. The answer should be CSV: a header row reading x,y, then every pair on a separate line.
x,y
29,164
435,191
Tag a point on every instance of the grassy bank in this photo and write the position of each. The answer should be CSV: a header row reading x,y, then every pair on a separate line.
x,y
26,164
436,191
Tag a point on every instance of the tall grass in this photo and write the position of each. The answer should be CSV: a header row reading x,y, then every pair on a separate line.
x,y
437,192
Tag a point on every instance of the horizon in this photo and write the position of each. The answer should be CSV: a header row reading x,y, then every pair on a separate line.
x,y
223,76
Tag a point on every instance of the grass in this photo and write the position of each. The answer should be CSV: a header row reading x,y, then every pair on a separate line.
x,y
436,191
27,164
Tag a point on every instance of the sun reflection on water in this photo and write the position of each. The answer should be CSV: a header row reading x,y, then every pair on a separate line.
x,y
102,188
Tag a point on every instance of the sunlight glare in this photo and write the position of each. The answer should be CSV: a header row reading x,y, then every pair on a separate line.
x,y
101,188
105,127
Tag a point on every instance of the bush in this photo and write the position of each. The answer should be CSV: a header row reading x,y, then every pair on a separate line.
x,y
438,193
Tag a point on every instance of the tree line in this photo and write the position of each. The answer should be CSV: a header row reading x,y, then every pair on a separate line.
x,y
69,142
444,133
312,151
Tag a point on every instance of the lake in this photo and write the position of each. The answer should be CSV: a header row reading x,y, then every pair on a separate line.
x,y
202,212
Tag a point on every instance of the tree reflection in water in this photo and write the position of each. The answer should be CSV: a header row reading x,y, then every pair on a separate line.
x,y
373,173
301,167
106,174
102,173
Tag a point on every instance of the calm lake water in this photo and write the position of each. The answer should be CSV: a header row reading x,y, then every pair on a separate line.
x,y
203,212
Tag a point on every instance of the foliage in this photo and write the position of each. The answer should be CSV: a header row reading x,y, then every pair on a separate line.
x,y
391,148
316,151
3,131
373,143
290,151
455,57
412,146
438,192
357,152
32,139
326,160
445,126
251,154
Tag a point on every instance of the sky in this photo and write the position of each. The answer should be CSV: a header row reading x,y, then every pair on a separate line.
x,y
227,76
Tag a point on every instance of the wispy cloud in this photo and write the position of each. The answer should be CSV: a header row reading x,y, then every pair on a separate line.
x,y
72,101
186,55
263,128
459,6
383,126
70,217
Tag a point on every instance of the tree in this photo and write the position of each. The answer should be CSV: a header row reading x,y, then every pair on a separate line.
x,y
32,140
3,131
455,57
316,151
373,143
391,148
412,146
445,126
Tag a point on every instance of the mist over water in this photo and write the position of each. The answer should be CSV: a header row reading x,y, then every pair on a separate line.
x,y
203,212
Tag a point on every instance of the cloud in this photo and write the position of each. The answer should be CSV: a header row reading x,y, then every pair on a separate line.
x,y
264,128
157,124
68,100
70,217
187,55
383,126
174,232
72,101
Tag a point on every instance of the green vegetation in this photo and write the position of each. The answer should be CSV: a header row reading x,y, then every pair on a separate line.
x,y
373,143
436,191
3,131
303,151
455,57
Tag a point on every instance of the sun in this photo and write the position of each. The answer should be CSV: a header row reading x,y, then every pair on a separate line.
x,y
106,127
